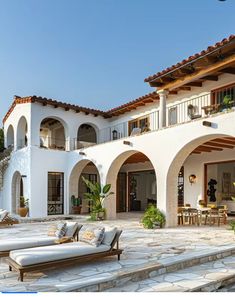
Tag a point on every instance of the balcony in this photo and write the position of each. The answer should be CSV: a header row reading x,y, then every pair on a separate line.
x,y
176,113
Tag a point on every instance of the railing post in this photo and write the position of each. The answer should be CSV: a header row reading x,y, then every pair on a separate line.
x,y
162,108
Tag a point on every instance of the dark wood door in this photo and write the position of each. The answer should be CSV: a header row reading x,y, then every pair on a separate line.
x,y
121,192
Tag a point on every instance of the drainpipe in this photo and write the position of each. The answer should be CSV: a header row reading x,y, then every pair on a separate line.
x,y
162,111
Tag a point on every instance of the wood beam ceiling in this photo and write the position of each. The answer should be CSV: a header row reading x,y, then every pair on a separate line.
x,y
217,144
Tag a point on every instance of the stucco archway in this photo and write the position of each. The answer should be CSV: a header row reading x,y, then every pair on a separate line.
x,y
123,160
87,135
53,133
21,133
17,190
10,137
89,170
168,183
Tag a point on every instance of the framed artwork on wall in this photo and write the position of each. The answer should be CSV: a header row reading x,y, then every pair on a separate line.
x,y
226,182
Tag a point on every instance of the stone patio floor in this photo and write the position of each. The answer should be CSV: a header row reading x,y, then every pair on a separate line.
x,y
140,246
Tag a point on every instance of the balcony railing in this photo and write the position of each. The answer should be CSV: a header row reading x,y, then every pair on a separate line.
x,y
182,112
121,130
53,143
188,110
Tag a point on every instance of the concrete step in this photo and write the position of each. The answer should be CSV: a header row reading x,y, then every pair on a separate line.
x,y
208,277
131,278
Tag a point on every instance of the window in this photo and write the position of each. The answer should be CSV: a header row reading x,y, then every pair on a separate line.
x,y
219,94
55,193
142,123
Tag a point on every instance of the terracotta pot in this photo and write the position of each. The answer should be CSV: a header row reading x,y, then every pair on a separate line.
x,y
23,211
76,209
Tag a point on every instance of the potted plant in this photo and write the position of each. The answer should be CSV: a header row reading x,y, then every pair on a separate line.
x,y
153,218
24,206
76,204
97,195
227,103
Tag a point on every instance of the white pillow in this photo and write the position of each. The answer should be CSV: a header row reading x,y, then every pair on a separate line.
x,y
109,235
71,228
3,214
92,235
61,229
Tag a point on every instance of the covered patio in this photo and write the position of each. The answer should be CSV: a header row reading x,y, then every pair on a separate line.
x,y
146,253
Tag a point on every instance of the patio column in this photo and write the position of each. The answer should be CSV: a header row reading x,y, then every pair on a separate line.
x,y
162,111
167,197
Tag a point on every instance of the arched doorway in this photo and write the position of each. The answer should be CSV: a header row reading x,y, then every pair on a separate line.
x,y
22,131
52,134
10,137
17,189
86,136
133,180
77,187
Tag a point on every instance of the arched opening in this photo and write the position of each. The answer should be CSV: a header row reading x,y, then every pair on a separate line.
x,y
22,131
17,189
207,167
77,187
86,136
52,134
133,181
10,137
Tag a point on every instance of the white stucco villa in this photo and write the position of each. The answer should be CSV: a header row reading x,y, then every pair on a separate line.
x,y
164,147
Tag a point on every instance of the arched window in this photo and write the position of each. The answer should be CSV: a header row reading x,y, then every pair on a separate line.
x,y
22,131
52,134
10,137
86,136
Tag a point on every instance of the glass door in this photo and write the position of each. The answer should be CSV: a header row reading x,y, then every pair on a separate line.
x,y
55,193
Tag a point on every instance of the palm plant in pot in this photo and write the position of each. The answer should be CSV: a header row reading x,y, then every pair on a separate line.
x,y
76,204
24,206
97,195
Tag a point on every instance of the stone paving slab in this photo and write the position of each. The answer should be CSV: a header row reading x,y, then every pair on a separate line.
x,y
212,276
142,249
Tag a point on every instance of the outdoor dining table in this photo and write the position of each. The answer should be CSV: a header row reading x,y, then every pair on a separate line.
x,y
201,212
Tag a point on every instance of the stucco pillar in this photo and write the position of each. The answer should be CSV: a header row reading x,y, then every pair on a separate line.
x,y
162,108
167,197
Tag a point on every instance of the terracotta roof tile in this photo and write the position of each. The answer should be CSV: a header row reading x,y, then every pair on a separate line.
x,y
191,58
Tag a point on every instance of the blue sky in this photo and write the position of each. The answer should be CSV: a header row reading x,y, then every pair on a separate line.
x,y
96,53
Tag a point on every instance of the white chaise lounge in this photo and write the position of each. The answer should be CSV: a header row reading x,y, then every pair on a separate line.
x,y
39,258
7,245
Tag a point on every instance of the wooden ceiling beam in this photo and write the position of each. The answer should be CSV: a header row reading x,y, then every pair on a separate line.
x,y
226,141
212,143
186,71
211,77
185,88
229,70
194,84
209,148
156,84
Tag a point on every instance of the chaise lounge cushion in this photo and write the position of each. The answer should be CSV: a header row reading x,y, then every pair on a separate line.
x,y
21,243
45,254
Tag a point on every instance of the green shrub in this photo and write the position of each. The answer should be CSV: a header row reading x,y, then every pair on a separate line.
x,y
232,225
153,217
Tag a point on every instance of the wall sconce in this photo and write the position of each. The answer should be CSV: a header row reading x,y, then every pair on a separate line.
x,y
126,142
192,179
82,153
115,134
23,176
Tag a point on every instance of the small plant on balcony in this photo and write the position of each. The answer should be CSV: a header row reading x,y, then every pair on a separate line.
x,y
76,204
227,102
153,218
97,195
